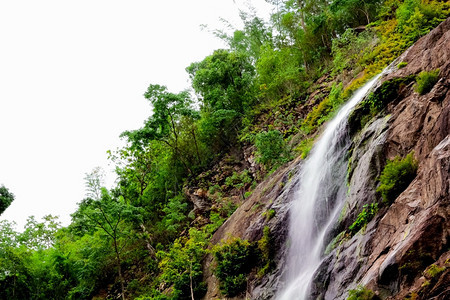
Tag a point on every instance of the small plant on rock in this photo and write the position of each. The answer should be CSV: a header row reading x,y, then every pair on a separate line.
x,y
434,270
361,293
235,259
396,176
368,212
402,64
426,80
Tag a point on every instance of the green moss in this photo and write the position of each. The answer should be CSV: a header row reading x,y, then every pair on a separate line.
x,y
376,102
335,242
269,214
266,249
433,270
361,293
305,147
386,93
396,176
426,80
414,262
402,64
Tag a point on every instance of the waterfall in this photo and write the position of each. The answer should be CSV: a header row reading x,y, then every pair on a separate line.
x,y
318,201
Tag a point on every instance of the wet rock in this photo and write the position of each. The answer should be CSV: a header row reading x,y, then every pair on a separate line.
x,y
248,222
408,236
403,239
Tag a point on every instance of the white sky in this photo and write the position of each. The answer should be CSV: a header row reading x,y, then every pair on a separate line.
x,y
72,76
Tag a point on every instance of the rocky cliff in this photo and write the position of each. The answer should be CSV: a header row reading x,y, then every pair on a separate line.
x,y
403,252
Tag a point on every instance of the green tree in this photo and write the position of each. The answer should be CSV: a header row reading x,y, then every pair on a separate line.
x,y
107,214
164,124
250,38
224,81
181,266
271,148
39,235
6,198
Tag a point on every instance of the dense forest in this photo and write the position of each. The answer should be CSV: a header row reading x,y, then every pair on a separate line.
x,y
183,174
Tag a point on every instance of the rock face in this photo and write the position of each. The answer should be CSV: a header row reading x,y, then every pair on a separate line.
x,y
248,222
413,233
404,250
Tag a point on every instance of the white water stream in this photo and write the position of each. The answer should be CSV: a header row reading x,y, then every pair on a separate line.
x,y
318,201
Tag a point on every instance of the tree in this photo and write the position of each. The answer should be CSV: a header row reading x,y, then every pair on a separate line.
x,y
224,81
40,235
163,124
6,198
108,215
249,39
94,182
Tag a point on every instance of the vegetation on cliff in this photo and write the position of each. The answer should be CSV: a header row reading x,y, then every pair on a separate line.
x,y
184,172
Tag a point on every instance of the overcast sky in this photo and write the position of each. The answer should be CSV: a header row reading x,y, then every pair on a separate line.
x,y
72,76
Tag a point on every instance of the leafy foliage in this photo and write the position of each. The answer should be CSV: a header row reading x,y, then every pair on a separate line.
x,y
396,176
426,80
181,266
224,81
271,148
367,213
141,238
234,261
6,198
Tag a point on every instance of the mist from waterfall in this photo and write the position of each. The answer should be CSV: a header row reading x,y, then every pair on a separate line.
x,y
318,201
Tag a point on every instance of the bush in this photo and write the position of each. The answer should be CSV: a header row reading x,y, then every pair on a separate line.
x,y
426,80
235,258
271,148
396,176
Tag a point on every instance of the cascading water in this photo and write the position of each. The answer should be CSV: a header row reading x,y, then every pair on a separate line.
x,y
319,199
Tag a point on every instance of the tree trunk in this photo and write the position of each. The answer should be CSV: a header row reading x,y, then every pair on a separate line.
x,y
190,277
122,285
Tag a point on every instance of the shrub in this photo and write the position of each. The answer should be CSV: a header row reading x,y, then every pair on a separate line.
x,y
271,148
235,258
396,176
426,80
364,217
181,266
